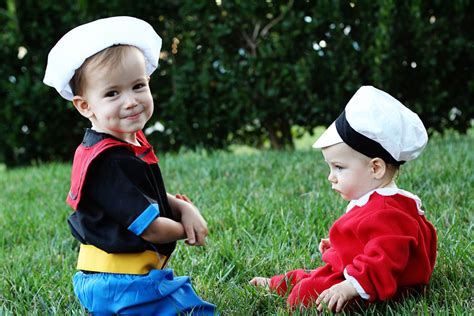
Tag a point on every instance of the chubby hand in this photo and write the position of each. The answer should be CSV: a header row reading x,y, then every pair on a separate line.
x,y
260,282
337,296
194,224
324,245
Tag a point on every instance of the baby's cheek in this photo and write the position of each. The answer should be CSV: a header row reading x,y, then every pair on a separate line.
x,y
350,194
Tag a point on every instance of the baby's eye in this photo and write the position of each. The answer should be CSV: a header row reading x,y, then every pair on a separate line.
x,y
111,94
339,168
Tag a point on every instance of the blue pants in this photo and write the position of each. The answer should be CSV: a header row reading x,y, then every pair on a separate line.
x,y
156,293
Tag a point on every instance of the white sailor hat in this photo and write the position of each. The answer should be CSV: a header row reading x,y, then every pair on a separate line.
x,y
377,125
80,43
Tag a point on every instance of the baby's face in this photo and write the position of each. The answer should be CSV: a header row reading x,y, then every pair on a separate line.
x,y
350,171
119,98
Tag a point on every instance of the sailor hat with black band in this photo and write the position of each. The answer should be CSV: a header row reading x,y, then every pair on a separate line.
x,y
377,125
82,42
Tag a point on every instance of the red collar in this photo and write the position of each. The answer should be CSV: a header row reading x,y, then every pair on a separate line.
x,y
95,143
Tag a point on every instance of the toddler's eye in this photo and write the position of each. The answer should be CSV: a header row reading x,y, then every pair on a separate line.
x,y
111,94
139,86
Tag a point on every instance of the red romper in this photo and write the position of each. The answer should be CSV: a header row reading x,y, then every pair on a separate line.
x,y
382,244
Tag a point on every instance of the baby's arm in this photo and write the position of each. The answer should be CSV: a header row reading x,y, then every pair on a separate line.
x,y
337,296
195,226
163,230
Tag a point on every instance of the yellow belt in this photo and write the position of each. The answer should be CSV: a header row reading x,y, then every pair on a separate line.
x,y
92,258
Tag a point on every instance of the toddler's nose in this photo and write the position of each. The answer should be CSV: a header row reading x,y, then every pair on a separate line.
x,y
130,102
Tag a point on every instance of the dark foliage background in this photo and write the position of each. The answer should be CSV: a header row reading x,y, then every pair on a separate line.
x,y
245,71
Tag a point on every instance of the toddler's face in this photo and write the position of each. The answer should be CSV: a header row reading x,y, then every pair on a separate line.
x,y
119,98
350,171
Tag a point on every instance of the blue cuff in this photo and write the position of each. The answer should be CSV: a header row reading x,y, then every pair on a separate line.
x,y
145,219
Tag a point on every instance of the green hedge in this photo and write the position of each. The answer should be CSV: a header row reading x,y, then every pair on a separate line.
x,y
245,71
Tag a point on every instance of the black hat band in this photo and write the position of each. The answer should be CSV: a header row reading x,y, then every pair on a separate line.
x,y
361,143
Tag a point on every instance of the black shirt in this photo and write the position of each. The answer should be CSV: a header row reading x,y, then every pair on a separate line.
x,y
118,188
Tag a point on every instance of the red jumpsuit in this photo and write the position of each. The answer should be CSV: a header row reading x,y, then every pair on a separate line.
x,y
382,244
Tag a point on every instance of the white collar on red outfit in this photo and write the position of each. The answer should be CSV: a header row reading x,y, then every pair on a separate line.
x,y
385,192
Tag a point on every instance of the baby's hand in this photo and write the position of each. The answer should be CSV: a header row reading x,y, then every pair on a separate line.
x,y
324,245
259,281
337,296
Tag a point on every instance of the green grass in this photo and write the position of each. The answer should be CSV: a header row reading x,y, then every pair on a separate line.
x,y
266,213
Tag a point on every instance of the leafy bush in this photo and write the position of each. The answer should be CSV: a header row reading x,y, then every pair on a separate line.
x,y
245,71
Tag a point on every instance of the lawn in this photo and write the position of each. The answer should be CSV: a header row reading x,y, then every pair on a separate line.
x,y
266,213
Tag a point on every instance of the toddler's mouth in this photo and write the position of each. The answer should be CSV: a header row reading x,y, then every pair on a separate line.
x,y
133,116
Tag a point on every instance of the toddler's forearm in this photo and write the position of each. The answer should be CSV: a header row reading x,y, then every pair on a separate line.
x,y
163,230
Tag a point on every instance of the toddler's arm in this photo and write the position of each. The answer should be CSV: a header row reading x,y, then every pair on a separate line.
x,y
163,230
195,226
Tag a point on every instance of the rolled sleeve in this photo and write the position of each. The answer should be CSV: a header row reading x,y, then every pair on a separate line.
x,y
139,225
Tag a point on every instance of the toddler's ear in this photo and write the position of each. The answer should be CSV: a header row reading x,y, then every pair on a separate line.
x,y
378,168
82,106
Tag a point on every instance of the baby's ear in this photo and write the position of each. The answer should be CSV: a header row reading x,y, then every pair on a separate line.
x,y
82,106
378,168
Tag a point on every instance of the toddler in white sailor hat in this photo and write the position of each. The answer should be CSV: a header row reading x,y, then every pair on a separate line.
x,y
383,244
123,217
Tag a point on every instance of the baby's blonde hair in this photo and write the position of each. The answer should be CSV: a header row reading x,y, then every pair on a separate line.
x,y
107,57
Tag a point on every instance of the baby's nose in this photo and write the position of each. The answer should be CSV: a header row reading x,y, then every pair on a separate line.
x,y
331,177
